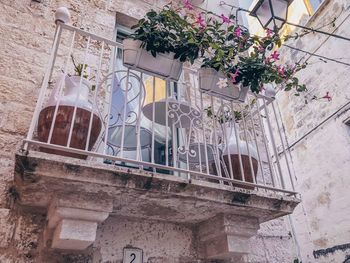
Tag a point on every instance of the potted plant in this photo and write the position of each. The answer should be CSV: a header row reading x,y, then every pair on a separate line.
x,y
164,40
75,93
153,46
218,73
232,146
234,61
261,66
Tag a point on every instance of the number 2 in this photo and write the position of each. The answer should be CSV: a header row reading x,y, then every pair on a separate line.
x,y
134,257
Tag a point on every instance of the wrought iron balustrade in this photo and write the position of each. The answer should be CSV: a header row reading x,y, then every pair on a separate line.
x,y
118,116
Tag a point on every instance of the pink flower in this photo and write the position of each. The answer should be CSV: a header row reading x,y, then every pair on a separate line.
x,y
327,96
225,19
269,32
188,5
275,55
200,21
238,32
234,76
281,70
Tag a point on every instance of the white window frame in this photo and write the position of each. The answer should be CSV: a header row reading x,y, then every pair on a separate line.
x,y
317,12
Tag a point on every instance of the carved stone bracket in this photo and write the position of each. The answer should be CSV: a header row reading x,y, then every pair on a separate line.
x,y
72,224
226,236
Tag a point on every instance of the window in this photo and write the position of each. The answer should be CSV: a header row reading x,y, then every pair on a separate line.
x,y
313,5
126,110
122,32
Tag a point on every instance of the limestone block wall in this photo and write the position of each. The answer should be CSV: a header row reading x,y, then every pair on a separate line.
x,y
322,158
26,33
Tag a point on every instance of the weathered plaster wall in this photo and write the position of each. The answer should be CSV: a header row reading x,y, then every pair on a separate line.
x,y
322,159
26,32
173,243
161,242
273,243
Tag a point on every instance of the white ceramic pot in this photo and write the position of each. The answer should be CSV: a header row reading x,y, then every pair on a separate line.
x,y
208,79
163,65
70,92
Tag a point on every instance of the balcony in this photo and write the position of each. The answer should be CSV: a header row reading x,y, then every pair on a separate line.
x,y
118,142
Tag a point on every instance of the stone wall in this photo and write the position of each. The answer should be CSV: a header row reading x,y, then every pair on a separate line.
x,y
26,33
322,159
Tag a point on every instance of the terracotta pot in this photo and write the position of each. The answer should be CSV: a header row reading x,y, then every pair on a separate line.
x,y
248,176
65,116
230,151
163,65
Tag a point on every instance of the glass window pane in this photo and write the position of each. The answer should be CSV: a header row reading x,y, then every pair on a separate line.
x,y
279,23
271,25
280,8
315,4
264,12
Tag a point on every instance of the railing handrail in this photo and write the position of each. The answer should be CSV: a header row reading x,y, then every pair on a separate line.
x,y
93,36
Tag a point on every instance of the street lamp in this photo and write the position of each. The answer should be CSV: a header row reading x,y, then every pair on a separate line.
x,y
272,14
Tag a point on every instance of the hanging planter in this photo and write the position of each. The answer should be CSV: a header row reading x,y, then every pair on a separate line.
x,y
76,94
159,46
213,83
163,65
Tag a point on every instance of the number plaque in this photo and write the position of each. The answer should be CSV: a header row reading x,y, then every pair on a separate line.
x,y
132,255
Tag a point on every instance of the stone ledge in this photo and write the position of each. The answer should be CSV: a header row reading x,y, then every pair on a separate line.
x,y
136,193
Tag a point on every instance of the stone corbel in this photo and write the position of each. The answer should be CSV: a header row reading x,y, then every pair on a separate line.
x,y
226,236
72,223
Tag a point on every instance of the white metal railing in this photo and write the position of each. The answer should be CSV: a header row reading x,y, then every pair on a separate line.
x,y
127,118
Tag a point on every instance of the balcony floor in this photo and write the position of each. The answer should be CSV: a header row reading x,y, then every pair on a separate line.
x,y
140,194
